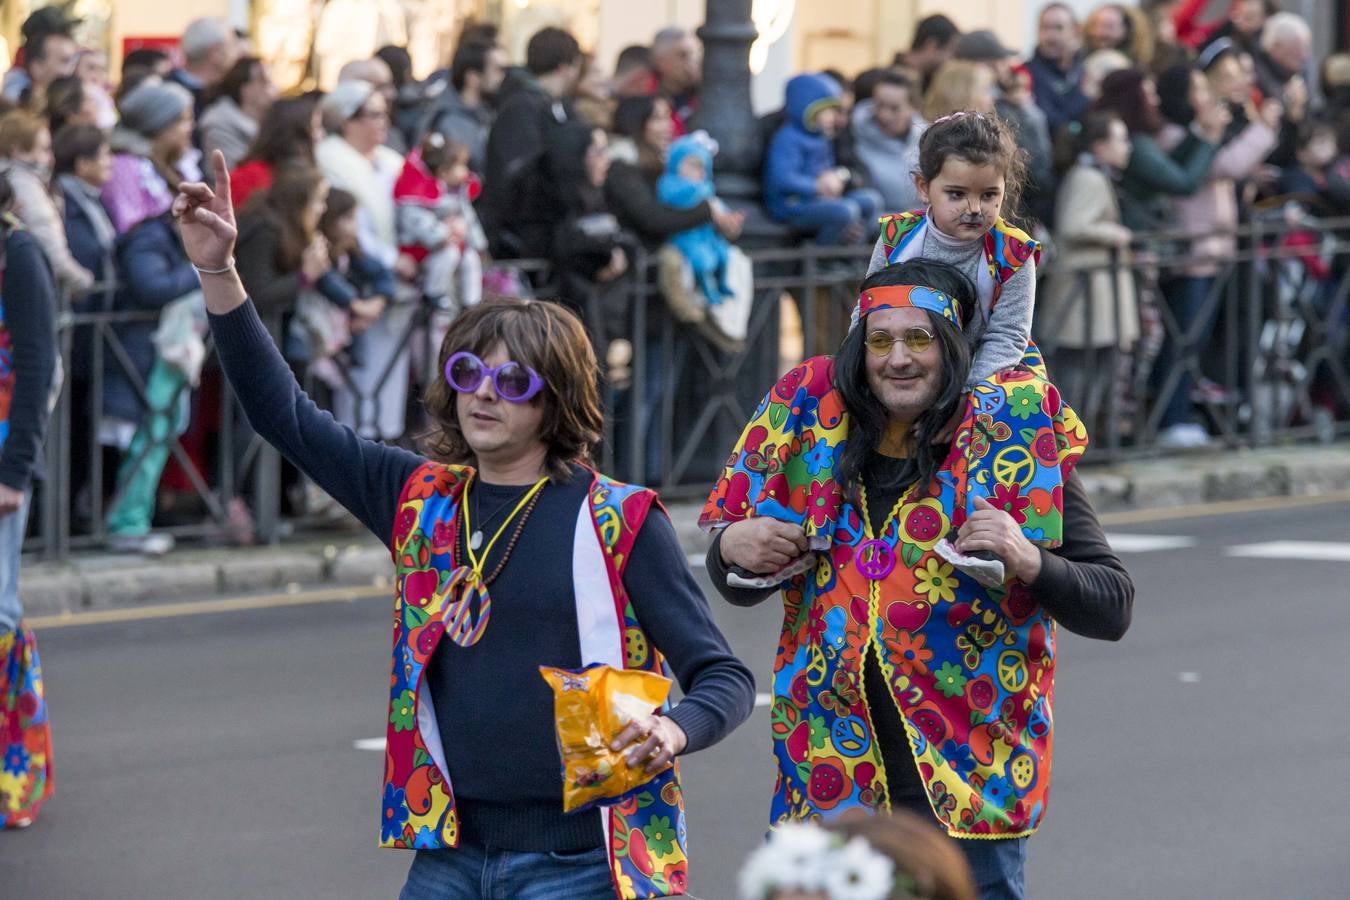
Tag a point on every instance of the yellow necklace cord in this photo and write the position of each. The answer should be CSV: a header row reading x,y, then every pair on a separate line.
x,y
476,563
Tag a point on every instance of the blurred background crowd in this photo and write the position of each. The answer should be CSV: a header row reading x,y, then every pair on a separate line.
x,y
374,209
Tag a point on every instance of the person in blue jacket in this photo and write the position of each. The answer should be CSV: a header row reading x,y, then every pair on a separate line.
x,y
803,187
687,183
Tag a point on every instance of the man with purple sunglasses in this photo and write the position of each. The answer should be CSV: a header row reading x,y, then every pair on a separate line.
x,y
511,553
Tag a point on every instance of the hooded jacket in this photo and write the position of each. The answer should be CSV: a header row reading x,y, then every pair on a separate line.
x,y
798,152
704,247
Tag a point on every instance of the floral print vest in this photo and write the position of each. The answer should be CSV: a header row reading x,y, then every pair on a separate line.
x,y
646,833
971,669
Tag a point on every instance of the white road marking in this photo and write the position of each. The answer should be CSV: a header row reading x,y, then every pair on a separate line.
x,y
1188,677
763,700
1147,543
1313,550
369,744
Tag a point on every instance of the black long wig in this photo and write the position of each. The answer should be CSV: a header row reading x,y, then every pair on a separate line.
x,y
868,418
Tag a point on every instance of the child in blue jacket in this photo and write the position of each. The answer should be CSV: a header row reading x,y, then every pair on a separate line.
x,y
687,183
803,187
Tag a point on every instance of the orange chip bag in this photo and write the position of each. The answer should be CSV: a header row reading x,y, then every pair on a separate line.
x,y
591,706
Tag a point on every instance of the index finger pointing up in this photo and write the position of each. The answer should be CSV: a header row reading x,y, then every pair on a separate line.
x,y
222,173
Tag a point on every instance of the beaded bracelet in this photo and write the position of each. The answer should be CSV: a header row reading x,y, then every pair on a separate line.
x,y
228,266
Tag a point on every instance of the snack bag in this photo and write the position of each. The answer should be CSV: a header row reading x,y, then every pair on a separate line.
x,y
591,706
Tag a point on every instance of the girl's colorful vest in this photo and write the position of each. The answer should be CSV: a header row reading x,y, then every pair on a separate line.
x,y
971,669
646,834
1006,247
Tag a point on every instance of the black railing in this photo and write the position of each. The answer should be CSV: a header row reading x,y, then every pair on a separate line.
x,y
1270,331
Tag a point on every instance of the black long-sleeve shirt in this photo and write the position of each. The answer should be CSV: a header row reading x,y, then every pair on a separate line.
x,y
29,296
494,711
1082,584
633,199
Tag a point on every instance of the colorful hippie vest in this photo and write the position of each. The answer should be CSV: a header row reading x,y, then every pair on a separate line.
x,y
1006,247
645,835
971,669
25,734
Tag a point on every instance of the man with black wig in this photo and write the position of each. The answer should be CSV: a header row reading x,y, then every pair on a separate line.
x,y
901,682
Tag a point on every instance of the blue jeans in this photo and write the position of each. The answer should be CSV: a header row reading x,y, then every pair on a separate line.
x,y
12,528
475,873
999,867
1186,297
829,219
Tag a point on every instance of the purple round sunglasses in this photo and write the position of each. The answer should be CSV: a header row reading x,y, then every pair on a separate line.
x,y
513,381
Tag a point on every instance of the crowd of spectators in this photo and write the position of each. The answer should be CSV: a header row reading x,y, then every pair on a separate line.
x,y
361,207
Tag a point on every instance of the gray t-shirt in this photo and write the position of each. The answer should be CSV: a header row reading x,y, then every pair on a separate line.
x,y
999,334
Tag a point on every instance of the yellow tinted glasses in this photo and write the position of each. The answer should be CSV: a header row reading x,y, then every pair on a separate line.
x,y
916,339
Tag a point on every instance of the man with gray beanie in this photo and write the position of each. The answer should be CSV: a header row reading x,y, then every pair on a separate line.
x,y
209,48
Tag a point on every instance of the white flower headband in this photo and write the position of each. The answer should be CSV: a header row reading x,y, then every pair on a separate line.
x,y
803,856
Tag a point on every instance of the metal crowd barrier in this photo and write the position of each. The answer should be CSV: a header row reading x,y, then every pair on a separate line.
x,y
1271,331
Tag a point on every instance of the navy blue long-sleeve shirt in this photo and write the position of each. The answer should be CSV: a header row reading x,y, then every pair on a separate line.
x,y
29,297
494,711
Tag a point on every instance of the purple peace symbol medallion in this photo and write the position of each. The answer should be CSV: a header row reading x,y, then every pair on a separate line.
x,y
875,559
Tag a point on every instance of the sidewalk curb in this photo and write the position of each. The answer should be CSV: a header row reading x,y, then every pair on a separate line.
x,y
96,581
105,581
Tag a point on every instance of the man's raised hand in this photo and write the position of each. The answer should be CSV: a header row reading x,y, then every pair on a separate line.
x,y
206,219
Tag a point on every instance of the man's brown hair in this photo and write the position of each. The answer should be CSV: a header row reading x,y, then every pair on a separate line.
x,y
547,338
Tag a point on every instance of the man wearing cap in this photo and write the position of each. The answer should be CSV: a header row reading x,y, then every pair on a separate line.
x,y
1017,104
1055,67
934,38
49,52
901,682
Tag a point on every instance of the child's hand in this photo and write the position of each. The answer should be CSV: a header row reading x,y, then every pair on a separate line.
x,y
1213,118
1271,113
315,261
618,264
1296,98
364,312
728,223
829,185
459,229
405,267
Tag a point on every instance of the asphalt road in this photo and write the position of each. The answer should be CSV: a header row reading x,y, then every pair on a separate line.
x,y
1204,756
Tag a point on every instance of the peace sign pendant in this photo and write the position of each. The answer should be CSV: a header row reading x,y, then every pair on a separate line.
x,y
462,625
875,559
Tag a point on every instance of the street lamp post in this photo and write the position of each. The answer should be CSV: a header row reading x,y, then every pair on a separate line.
x,y
725,111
